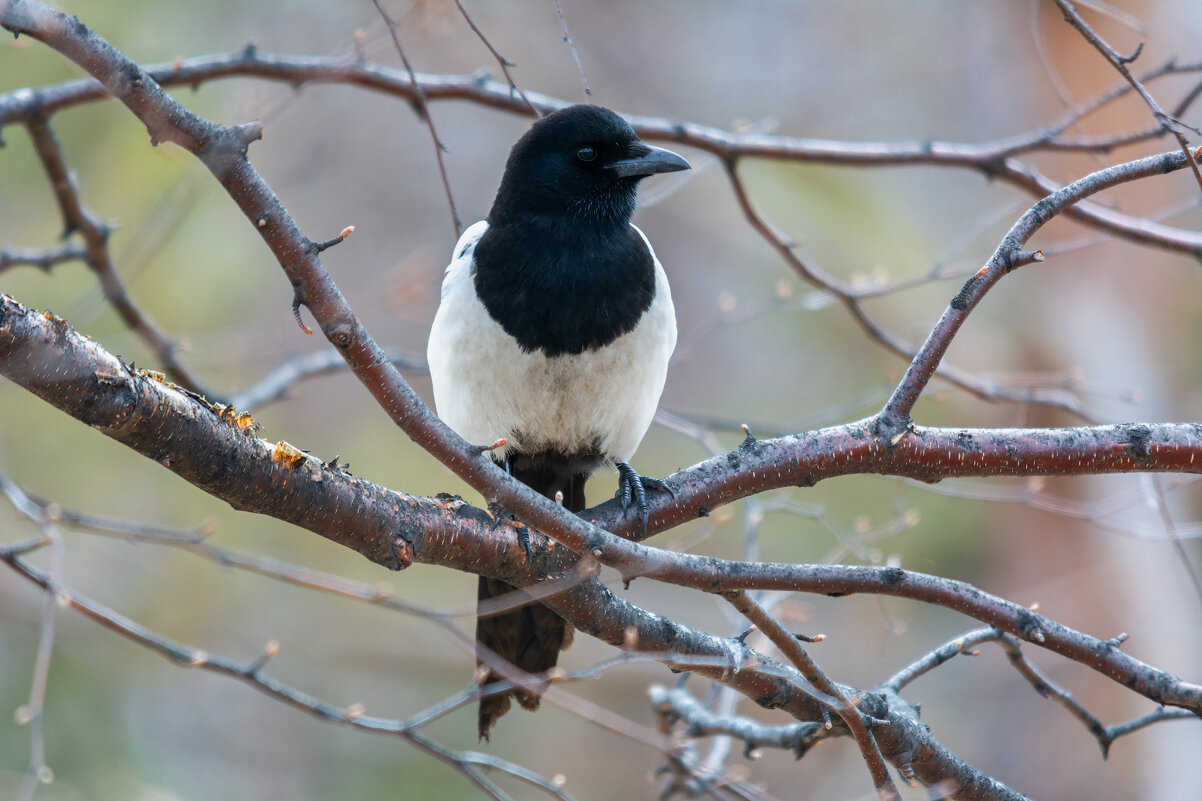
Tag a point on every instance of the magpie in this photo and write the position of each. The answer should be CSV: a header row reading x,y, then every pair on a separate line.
x,y
553,333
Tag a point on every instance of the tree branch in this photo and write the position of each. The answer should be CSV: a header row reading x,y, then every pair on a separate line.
x,y
997,159
222,457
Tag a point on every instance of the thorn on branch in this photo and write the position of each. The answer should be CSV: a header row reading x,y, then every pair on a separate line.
x,y
501,443
743,637
270,649
321,247
1139,48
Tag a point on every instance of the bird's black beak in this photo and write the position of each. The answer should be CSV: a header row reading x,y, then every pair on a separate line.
x,y
647,160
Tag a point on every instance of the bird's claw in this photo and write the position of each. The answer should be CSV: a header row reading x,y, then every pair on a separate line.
x,y
524,541
632,486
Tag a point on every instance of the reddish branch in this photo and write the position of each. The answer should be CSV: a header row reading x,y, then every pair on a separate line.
x,y
213,450
203,445
222,149
1009,256
998,159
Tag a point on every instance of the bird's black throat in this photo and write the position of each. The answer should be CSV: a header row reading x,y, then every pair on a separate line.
x,y
565,283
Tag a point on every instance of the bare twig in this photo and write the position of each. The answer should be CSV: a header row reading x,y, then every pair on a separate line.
x,y
679,703
567,38
33,712
95,234
423,111
44,260
964,644
1120,62
1008,256
277,384
857,721
504,63
250,672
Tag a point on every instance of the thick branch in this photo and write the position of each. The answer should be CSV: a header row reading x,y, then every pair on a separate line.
x,y
223,152
201,444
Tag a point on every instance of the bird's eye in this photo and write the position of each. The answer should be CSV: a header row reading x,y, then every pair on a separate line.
x,y
586,154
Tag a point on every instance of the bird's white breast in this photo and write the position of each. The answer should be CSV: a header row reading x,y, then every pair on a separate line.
x,y
486,387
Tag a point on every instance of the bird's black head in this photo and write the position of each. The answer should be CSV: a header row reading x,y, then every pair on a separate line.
x,y
582,162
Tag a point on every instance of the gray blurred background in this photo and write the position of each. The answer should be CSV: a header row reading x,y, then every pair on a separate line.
x,y
1118,321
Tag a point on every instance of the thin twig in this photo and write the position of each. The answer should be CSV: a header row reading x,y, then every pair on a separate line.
x,y
796,737
277,384
44,260
567,38
1120,62
33,713
501,60
95,234
964,644
251,673
423,111
857,721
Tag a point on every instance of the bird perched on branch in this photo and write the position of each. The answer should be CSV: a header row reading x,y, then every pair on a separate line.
x,y
553,333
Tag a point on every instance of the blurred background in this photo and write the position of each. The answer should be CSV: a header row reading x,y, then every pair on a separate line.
x,y
1113,324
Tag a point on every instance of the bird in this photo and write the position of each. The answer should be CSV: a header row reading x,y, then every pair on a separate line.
x,y
553,333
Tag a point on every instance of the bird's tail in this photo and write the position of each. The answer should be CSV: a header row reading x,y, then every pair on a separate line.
x,y
530,636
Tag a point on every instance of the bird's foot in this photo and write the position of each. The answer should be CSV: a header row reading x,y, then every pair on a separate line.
x,y
503,517
633,486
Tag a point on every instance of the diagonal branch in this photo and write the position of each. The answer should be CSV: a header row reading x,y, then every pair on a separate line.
x,y
1008,256
854,718
222,457
95,234
251,672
